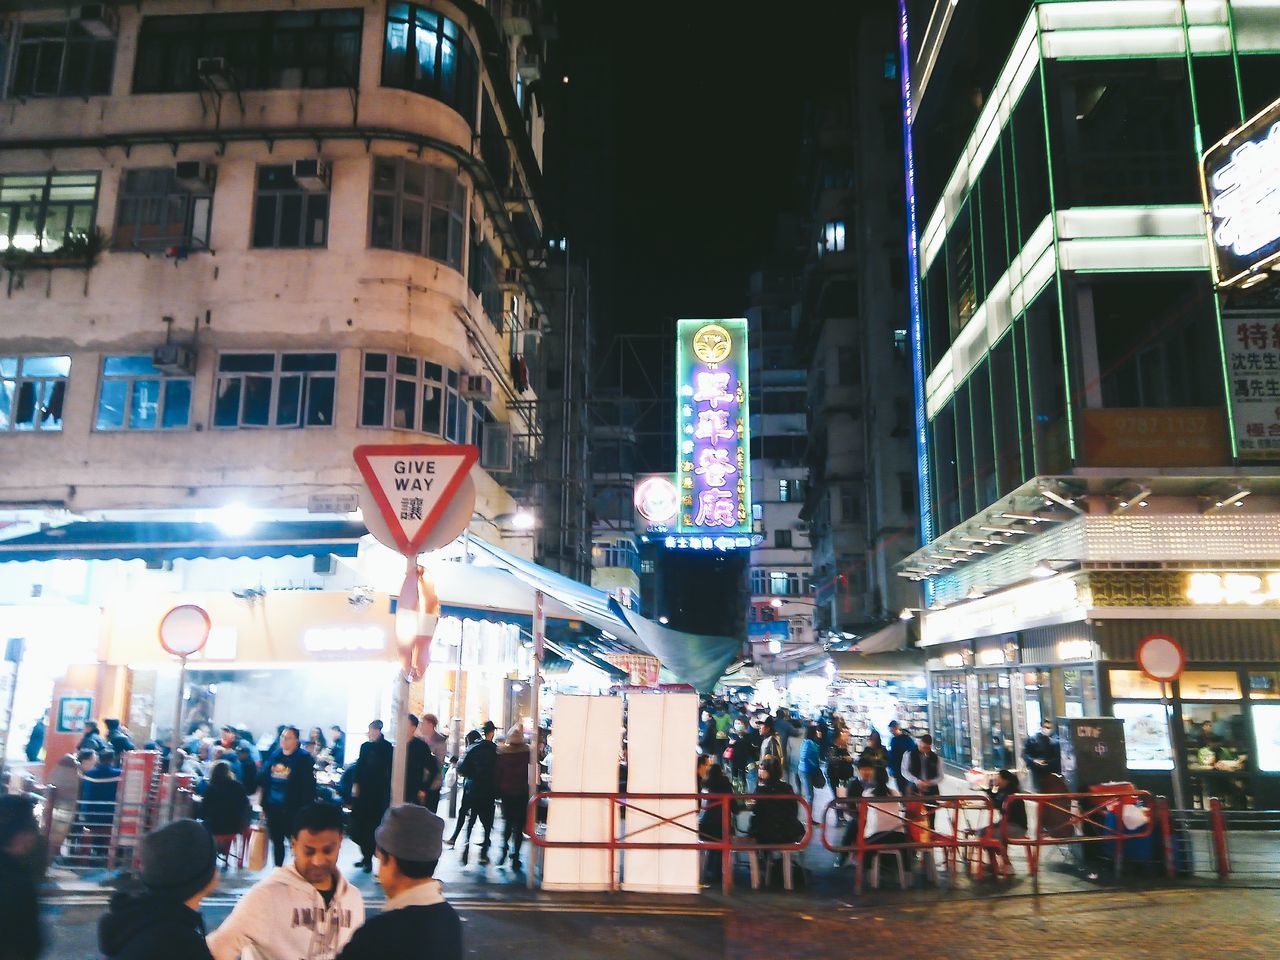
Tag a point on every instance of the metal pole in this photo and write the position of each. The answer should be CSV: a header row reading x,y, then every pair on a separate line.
x,y
457,725
535,690
176,739
1179,800
400,753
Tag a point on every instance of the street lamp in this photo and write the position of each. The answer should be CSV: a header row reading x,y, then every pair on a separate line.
x,y
523,519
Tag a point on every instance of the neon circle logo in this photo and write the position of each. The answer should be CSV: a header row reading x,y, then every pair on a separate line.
x,y
712,343
656,500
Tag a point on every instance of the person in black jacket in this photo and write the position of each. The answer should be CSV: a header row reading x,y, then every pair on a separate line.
x,y
288,784
1014,814
417,921
19,904
371,793
91,740
480,767
420,767
775,820
225,808
118,738
162,921
1043,754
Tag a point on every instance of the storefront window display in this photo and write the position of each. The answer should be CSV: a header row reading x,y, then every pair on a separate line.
x,y
1146,735
996,703
1264,685
1039,692
1217,751
951,718
870,703
1266,730
1079,692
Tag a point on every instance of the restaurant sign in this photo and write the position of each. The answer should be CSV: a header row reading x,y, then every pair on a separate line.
x,y
1240,178
713,467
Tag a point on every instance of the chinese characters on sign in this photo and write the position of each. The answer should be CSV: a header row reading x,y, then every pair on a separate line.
x,y
713,474
1234,588
1242,193
1253,366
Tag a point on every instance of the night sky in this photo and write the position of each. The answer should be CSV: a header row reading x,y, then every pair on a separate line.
x,y
682,126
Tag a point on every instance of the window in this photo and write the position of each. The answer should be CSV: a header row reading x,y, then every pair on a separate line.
x,y
275,390
832,240
796,629
759,582
482,277
784,583
616,553
901,344
782,539
783,401
39,211
134,395
156,211
850,505
430,54
62,60
418,209
31,392
790,491
287,215
289,49
405,393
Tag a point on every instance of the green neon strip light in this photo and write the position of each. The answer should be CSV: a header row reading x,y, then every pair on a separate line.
x,y
1235,60
1057,258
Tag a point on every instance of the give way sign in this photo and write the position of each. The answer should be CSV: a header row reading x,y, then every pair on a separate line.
x,y
413,485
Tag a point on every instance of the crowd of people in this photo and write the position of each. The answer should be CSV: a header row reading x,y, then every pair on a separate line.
x,y
782,756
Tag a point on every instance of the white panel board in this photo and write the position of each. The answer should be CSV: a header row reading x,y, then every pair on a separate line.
x,y
662,754
586,744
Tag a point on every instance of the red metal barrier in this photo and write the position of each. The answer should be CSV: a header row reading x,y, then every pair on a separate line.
x,y
917,815
1078,818
619,803
1218,830
1166,833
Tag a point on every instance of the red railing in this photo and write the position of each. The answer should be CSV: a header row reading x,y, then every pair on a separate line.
x,y
965,817
1078,818
620,804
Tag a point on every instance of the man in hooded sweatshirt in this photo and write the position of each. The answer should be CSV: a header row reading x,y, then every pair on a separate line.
x,y
162,921
305,911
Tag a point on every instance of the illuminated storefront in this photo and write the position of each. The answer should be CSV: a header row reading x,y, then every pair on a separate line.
x,y
989,693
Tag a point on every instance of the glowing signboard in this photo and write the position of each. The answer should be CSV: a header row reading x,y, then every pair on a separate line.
x,y
657,502
1241,184
1231,589
713,468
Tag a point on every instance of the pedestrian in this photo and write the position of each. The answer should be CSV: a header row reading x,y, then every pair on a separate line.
x,y
712,819
874,751
473,737
480,767
900,744
512,779
338,745
305,911
810,767
225,807
316,744
162,920
840,769
1013,813
420,766
439,745
246,770
771,743
35,742
99,783
1043,754
922,769
371,792
776,815
288,785
91,739
23,936
707,734
118,738
417,922
884,821
742,753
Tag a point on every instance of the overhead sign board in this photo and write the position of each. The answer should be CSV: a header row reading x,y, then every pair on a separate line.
x,y
712,432
1240,178
413,486
657,503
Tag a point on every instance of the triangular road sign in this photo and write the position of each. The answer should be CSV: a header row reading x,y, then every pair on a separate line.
x,y
413,483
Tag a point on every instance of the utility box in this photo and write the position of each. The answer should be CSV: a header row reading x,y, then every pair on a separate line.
x,y
1092,751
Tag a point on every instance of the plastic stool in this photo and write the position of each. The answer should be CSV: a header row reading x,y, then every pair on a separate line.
x,y
875,868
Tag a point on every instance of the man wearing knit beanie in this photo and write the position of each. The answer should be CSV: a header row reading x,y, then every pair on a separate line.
x,y
162,921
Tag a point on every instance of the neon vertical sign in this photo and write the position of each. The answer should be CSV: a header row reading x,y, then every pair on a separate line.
x,y
712,433
913,267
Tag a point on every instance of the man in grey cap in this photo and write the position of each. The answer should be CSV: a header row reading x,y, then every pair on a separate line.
x,y
417,921
163,922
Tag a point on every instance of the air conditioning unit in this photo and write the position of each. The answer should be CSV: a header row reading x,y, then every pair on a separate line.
x,y
216,72
312,174
477,387
194,175
99,19
496,448
518,20
174,359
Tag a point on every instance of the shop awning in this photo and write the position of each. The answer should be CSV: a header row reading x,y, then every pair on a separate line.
x,y
696,659
893,637
154,542
893,662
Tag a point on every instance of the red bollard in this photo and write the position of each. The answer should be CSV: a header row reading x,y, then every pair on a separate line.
x,y
1218,826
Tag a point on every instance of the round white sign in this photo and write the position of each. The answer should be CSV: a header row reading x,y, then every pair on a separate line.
x,y
1161,658
185,629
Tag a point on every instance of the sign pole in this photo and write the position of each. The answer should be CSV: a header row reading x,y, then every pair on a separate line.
x,y
1179,800
535,681
400,752
176,740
